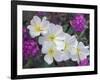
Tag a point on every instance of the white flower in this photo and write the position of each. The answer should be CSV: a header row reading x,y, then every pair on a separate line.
x,y
51,53
38,26
80,52
70,43
55,35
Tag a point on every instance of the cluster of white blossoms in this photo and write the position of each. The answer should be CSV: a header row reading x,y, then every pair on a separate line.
x,y
56,44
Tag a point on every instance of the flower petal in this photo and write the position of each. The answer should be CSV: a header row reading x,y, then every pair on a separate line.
x,y
58,57
29,27
82,56
36,19
61,36
48,59
32,22
81,45
75,58
41,40
45,31
73,51
85,51
68,37
45,25
55,29
59,44
34,34
45,22
51,28
46,45
59,29
73,41
65,56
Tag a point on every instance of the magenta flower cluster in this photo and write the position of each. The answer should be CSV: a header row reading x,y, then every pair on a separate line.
x,y
84,62
30,46
78,23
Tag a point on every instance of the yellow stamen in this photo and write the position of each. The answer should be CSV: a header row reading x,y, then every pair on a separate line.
x,y
51,52
66,47
78,50
38,28
51,37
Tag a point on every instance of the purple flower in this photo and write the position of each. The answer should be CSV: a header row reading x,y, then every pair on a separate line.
x,y
25,33
53,17
41,14
30,48
78,23
84,62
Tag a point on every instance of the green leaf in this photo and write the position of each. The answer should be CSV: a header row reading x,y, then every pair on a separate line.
x,y
37,62
65,27
70,31
29,63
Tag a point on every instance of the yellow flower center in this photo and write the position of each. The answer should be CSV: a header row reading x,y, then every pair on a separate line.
x,y
51,37
66,46
51,52
78,50
38,28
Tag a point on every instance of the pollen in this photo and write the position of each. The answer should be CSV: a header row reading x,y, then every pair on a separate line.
x,y
78,50
51,37
38,28
66,46
51,52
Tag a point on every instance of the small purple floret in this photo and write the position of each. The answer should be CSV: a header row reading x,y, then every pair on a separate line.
x,y
84,62
30,46
78,23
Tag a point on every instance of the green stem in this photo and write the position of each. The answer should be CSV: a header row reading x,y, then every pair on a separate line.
x,y
79,57
55,63
82,33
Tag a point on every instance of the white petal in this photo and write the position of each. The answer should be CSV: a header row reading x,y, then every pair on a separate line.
x,y
51,28
73,51
32,31
45,25
44,18
45,22
37,19
73,41
48,59
82,56
81,45
59,29
44,32
60,45
55,29
34,34
58,57
32,22
41,40
75,58
29,27
85,51
65,56
44,49
61,36
87,47
46,45
67,37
